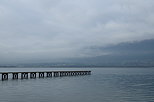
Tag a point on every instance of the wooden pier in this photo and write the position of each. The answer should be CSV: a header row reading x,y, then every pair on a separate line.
x,y
41,74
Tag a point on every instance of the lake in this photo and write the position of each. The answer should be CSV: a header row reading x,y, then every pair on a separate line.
x,y
103,85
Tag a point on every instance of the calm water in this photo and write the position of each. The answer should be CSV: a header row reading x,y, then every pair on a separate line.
x,y
104,85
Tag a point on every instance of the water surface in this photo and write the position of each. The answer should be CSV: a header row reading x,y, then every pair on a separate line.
x,y
104,85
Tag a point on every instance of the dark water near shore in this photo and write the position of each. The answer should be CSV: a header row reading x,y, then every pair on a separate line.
x,y
104,85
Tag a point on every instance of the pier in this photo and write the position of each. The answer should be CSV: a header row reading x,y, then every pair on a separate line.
x,y
41,74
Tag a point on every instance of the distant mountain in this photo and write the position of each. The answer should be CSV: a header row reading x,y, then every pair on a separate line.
x,y
124,54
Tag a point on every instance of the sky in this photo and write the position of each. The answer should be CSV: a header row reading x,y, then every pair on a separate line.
x,y
54,30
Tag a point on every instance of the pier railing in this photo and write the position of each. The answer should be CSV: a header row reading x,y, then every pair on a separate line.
x,y
41,74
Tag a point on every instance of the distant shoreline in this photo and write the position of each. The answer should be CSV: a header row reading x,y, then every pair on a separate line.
x,y
76,66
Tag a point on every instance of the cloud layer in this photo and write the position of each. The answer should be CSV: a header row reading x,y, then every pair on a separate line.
x,y
57,29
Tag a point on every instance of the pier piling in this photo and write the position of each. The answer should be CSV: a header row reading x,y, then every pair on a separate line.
x,y
14,75
49,74
24,75
33,75
4,76
41,74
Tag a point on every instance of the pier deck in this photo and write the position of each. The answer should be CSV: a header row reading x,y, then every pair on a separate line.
x,y
41,74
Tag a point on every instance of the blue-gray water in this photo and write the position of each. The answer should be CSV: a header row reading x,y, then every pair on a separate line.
x,y
104,85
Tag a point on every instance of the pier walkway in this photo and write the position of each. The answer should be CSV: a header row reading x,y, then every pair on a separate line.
x,y
41,74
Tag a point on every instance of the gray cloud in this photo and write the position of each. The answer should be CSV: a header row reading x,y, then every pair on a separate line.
x,y
56,29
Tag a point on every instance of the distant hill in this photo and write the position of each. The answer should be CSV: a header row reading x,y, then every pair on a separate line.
x,y
124,54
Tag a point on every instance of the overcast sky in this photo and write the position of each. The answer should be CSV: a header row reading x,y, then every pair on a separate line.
x,y
58,29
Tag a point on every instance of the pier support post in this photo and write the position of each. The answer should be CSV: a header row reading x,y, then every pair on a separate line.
x,y
24,75
4,76
33,75
82,73
41,74
65,73
71,73
49,74
14,75
60,74
56,74
78,73
75,73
